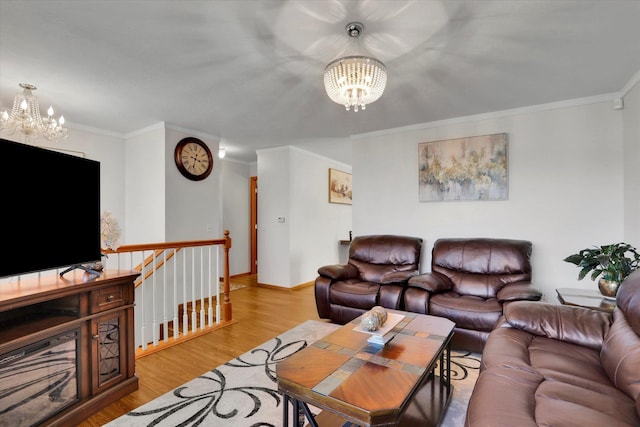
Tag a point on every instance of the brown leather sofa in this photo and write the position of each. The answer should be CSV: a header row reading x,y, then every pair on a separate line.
x,y
376,273
470,281
552,365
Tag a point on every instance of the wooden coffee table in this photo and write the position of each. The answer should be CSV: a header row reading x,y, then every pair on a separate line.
x,y
372,385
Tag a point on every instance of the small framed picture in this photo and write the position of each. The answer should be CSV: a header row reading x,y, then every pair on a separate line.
x,y
339,187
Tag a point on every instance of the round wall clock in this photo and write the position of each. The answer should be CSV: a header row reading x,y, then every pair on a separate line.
x,y
193,159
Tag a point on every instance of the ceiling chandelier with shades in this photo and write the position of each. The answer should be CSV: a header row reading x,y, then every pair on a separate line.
x,y
25,118
355,81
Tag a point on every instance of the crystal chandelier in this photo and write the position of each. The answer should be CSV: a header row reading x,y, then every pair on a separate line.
x,y
25,118
355,81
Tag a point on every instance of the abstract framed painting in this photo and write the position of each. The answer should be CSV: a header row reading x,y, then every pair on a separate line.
x,y
339,187
471,168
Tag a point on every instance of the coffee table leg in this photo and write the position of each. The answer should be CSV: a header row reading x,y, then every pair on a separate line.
x,y
285,411
307,412
296,412
300,411
446,375
295,404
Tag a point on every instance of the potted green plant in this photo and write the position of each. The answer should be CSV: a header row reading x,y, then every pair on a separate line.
x,y
612,262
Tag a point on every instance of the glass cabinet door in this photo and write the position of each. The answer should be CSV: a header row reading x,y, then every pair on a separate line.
x,y
108,344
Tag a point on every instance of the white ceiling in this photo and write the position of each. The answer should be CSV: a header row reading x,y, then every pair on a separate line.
x,y
250,71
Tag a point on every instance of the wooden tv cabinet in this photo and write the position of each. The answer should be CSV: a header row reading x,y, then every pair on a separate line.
x,y
67,346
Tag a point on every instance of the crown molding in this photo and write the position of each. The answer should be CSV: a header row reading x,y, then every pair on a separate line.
x,y
493,115
627,88
303,151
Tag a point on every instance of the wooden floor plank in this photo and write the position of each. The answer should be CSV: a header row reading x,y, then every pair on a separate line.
x,y
261,314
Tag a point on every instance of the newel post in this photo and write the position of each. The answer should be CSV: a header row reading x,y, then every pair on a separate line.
x,y
227,299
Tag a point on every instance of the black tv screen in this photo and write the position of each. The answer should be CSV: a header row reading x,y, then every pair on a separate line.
x,y
50,214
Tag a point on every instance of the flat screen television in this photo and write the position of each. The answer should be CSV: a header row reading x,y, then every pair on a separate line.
x,y
50,209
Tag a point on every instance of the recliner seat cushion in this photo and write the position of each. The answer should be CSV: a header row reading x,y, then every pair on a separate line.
x,y
555,360
561,404
466,311
354,293
568,363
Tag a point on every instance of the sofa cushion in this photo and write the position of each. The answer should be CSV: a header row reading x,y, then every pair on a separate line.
x,y
628,299
503,397
586,364
569,363
560,404
621,348
621,356
355,294
566,323
506,396
554,360
466,311
566,383
507,347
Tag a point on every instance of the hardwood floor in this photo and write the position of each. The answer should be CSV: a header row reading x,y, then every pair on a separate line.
x,y
261,314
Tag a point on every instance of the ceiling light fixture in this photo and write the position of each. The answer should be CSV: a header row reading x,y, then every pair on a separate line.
x,y
355,81
25,118
222,152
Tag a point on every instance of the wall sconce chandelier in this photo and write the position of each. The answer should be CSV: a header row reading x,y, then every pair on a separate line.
x,y
222,152
355,81
25,118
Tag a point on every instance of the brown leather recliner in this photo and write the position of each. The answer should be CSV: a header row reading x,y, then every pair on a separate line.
x,y
377,272
556,365
469,282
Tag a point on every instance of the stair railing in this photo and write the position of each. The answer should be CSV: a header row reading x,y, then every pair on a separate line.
x,y
178,291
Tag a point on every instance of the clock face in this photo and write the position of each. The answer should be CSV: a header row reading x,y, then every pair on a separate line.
x,y
193,159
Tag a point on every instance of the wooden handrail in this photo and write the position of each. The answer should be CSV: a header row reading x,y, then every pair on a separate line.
x,y
169,245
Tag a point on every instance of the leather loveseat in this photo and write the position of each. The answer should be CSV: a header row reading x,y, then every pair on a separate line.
x,y
470,281
376,273
553,365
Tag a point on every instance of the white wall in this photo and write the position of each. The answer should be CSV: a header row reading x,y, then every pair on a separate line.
x,y
293,184
631,133
192,208
144,170
316,226
236,206
273,203
565,186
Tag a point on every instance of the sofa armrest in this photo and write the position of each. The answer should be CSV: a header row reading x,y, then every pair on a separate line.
x,y
339,271
431,282
576,325
397,277
519,291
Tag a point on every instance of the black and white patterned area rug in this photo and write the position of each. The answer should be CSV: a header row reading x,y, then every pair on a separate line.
x,y
243,391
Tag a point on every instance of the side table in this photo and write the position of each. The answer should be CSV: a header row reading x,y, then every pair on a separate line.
x,y
587,298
